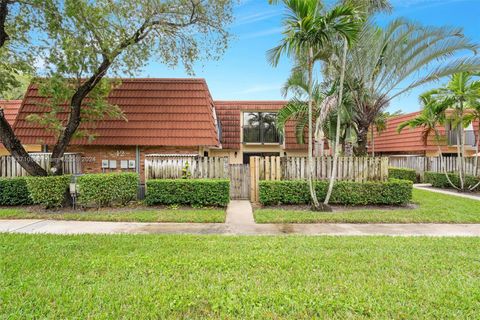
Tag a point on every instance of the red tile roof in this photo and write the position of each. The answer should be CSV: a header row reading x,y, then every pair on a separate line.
x,y
409,140
10,109
160,112
229,113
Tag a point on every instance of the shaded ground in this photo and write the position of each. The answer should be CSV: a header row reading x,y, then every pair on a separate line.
x,y
138,214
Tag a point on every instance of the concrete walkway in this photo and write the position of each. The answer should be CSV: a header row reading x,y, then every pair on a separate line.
x,y
429,187
338,229
239,221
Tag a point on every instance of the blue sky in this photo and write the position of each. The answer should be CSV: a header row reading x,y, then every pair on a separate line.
x,y
244,73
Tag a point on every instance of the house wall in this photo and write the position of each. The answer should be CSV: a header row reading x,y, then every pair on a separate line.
x,y
28,148
238,157
92,156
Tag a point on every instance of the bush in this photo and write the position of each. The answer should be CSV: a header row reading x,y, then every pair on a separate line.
x,y
200,192
106,189
439,180
392,192
402,174
51,191
14,192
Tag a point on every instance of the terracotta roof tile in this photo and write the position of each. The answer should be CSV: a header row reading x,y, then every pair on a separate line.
x,y
409,140
10,109
159,112
229,113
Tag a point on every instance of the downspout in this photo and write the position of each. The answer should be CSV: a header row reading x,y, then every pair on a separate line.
x,y
141,188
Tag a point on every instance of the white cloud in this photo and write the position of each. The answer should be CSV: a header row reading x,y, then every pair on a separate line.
x,y
263,33
255,17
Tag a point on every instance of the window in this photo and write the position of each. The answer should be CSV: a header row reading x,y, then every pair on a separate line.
x,y
456,134
260,127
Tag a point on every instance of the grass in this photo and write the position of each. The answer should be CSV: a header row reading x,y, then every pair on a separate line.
x,y
432,207
134,215
194,277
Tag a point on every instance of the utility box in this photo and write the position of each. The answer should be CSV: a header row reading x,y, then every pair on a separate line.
x,y
113,164
104,164
131,164
123,164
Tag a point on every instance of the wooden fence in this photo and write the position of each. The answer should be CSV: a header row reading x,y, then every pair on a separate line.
x,y
158,167
359,169
435,164
9,167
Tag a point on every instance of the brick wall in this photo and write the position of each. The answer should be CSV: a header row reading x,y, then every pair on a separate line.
x,y
92,156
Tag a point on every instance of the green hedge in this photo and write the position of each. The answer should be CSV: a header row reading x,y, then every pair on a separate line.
x,y
14,192
392,192
102,190
204,192
402,174
51,191
439,180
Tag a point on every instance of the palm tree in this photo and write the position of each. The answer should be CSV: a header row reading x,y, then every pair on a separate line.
x,y
380,125
462,94
296,110
432,115
386,63
307,31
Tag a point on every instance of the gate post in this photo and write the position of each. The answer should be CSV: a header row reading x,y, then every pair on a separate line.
x,y
254,178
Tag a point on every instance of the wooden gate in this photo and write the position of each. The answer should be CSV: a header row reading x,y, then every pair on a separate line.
x,y
239,181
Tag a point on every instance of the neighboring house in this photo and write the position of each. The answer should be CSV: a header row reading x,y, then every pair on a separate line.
x,y
249,128
410,141
168,117
10,109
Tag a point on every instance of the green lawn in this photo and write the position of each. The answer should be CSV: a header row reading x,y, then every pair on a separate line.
x,y
137,215
432,207
139,277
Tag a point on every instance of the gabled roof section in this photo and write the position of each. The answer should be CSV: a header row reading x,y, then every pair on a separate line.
x,y
409,140
229,113
10,109
160,112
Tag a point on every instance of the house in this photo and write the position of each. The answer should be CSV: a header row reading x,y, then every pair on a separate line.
x,y
172,117
410,141
10,109
249,129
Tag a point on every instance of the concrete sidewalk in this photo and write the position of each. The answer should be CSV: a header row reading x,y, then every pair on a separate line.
x,y
340,229
239,221
429,187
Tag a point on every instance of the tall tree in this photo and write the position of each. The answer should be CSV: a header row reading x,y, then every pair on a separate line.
x,y
387,62
307,30
17,20
462,94
85,41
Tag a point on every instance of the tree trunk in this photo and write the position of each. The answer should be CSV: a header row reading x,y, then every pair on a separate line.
x,y
362,140
373,142
16,149
313,194
10,141
74,119
337,135
475,170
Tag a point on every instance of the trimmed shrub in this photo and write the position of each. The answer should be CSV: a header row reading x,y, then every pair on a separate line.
x,y
106,189
51,191
439,180
201,192
402,174
392,192
14,192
